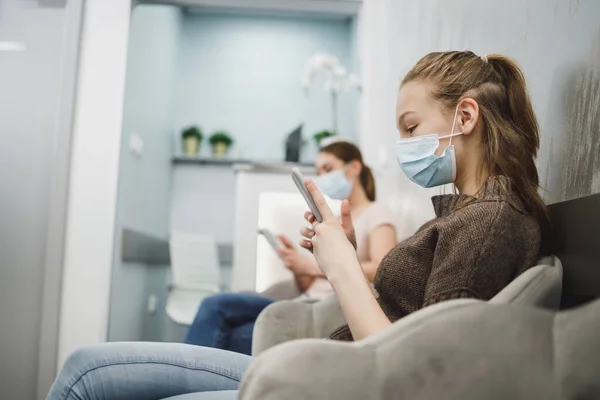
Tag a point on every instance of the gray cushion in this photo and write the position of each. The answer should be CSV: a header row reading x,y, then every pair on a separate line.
x,y
288,320
540,286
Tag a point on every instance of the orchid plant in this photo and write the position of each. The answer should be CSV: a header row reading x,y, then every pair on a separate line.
x,y
337,80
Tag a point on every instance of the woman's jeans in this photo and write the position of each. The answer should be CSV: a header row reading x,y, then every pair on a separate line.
x,y
226,321
147,371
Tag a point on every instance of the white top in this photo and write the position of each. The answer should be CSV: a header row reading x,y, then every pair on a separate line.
x,y
375,215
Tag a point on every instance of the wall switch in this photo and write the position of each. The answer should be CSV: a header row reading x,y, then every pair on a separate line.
x,y
136,145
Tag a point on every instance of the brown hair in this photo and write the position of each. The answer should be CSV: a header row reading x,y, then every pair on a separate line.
x,y
511,136
347,152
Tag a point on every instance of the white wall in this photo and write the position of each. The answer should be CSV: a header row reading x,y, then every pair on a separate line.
x,y
94,173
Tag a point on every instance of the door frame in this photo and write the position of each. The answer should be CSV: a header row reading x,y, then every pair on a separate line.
x,y
58,195
94,173
82,197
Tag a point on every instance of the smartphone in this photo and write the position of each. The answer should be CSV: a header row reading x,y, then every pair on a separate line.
x,y
298,179
273,241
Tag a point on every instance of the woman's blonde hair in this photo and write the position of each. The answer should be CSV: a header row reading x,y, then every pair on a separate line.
x,y
511,137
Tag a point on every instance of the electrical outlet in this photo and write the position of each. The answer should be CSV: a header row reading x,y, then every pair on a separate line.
x,y
152,303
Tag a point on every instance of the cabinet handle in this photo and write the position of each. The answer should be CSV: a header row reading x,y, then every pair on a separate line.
x,y
53,3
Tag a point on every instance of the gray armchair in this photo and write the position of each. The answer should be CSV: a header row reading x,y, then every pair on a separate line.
x,y
460,349
283,321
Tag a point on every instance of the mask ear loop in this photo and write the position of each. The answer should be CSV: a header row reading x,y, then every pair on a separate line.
x,y
453,125
443,188
455,190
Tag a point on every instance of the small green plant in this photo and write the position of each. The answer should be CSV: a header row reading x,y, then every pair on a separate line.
x,y
322,135
192,132
220,137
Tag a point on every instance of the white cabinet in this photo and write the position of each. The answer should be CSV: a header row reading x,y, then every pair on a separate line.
x,y
252,180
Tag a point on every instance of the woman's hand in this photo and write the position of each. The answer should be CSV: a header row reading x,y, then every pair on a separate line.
x,y
347,225
337,258
335,254
296,262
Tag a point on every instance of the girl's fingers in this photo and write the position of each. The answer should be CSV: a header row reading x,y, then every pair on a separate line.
x,y
309,217
307,244
307,232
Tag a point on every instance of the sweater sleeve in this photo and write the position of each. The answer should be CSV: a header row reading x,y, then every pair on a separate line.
x,y
460,243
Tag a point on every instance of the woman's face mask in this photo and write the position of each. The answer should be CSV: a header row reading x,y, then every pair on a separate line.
x,y
416,156
335,184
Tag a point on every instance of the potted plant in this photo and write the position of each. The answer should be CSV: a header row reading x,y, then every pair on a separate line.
x,y
191,136
322,135
220,142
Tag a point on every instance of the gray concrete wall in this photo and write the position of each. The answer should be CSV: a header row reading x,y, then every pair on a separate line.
x,y
557,43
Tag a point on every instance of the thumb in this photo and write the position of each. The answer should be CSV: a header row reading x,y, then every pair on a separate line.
x,y
286,242
345,215
319,199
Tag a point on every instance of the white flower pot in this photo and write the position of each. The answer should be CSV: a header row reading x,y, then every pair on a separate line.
x,y
220,149
191,145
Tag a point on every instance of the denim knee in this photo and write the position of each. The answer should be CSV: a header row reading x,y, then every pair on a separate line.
x,y
78,364
84,358
216,303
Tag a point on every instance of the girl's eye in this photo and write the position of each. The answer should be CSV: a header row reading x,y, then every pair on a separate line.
x,y
411,129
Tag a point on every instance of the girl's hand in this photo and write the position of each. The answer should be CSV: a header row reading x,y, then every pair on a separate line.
x,y
294,261
347,225
334,253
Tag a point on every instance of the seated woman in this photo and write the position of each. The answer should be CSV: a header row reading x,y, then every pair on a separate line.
x,y
462,119
226,320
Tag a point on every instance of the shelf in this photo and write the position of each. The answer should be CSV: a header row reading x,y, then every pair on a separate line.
x,y
246,165
209,160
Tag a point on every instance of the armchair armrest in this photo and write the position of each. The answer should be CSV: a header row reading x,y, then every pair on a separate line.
x,y
289,320
368,369
285,290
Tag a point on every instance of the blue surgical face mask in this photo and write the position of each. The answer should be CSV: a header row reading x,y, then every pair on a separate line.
x,y
334,184
416,156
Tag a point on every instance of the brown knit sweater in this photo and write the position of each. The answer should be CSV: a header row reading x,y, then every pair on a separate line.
x,y
473,249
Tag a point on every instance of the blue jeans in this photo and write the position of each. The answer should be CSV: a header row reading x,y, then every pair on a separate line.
x,y
148,371
226,321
